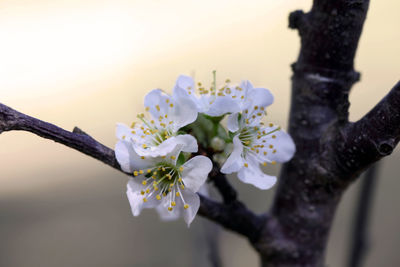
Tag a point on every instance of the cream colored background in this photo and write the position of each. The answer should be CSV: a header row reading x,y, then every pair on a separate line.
x,y
89,63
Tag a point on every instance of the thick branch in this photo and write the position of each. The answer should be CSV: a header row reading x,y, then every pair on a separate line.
x,y
373,136
235,217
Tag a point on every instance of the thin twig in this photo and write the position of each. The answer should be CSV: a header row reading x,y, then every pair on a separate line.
x,y
235,217
359,236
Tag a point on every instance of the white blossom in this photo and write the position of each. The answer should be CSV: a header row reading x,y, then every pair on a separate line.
x,y
254,143
213,102
158,135
162,182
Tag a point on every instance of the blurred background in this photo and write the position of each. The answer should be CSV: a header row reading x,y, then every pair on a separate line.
x,y
89,63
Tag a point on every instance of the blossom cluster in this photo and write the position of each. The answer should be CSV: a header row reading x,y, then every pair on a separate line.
x,y
159,150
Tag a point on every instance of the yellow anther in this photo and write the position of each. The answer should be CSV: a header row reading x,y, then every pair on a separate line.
x,y
246,111
154,172
163,157
182,187
170,208
173,203
246,165
180,179
147,108
123,137
133,132
163,169
141,171
199,84
265,163
142,157
147,190
142,192
155,188
274,136
274,151
158,107
136,173
259,114
271,124
255,107
144,199
144,183
167,100
177,194
171,122
171,185
265,153
254,116
181,168
242,97
173,157
247,121
271,146
273,162
233,96
149,171
171,105
186,206
158,197
164,194
144,145
155,183
166,116
152,121
227,80
133,124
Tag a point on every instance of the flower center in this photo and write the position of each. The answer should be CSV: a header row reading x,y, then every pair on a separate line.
x,y
163,181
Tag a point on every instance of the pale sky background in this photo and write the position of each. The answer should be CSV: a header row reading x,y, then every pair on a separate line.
x,y
89,63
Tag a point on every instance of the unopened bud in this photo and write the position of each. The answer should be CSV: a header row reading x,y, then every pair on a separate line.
x,y
217,144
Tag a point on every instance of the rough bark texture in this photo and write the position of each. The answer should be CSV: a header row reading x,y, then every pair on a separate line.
x,y
331,152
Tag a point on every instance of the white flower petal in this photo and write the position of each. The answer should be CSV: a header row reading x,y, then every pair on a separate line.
x,y
254,175
157,151
195,172
185,82
189,142
127,158
235,160
183,112
284,147
136,198
261,97
193,200
156,101
233,122
223,105
167,215
123,132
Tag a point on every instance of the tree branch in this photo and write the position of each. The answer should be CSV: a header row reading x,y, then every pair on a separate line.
x,y
373,136
11,119
359,235
235,217
226,190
